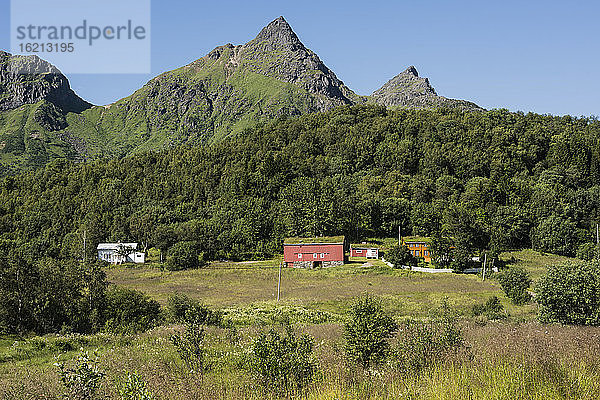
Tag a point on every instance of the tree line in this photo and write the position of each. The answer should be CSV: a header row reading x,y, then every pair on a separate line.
x,y
489,180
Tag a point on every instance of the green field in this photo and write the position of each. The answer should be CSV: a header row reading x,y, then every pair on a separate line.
x,y
409,294
516,358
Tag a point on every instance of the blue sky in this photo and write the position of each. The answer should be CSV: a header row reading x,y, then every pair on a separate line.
x,y
540,56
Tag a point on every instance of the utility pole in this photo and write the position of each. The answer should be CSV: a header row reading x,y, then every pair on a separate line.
x,y
84,245
484,263
279,282
399,235
597,243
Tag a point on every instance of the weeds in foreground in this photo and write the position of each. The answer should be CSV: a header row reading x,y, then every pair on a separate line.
x,y
283,363
82,380
133,387
190,347
424,344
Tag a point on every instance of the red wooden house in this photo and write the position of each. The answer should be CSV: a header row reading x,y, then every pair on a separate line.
x,y
314,252
364,251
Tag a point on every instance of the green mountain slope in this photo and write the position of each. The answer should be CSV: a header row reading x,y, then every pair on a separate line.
x,y
217,96
34,101
221,94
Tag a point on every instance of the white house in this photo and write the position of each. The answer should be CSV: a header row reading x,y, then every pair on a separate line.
x,y
118,253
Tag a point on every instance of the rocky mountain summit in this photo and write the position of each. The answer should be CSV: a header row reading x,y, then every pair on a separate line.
x,y
408,90
277,52
29,79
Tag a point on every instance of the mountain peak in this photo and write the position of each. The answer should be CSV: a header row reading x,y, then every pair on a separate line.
x,y
411,71
29,79
409,90
279,32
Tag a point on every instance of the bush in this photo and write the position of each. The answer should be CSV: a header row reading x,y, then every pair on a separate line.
x,y
421,344
182,308
515,282
82,380
184,255
400,256
367,332
283,363
190,347
491,309
570,294
588,251
129,310
133,387
153,255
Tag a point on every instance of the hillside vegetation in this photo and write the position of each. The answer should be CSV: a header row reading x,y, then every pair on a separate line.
x,y
490,180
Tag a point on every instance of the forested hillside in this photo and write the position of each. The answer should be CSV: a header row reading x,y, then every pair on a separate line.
x,y
490,180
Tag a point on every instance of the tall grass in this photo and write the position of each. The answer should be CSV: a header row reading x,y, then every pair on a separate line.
x,y
504,361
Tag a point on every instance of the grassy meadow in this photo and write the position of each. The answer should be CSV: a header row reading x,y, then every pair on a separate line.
x,y
515,358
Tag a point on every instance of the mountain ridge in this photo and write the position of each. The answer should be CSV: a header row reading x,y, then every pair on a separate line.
x,y
230,89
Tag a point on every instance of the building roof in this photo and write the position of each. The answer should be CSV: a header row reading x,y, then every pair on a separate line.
x,y
364,246
416,239
315,240
115,246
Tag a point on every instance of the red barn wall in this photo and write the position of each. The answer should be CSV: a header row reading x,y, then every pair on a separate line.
x,y
330,251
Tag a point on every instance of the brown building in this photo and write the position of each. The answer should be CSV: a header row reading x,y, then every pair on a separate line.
x,y
418,246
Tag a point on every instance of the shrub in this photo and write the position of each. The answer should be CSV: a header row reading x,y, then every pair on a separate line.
x,y
82,380
129,310
421,344
570,294
367,332
133,387
153,255
588,251
184,255
190,347
515,282
283,363
491,309
182,308
400,256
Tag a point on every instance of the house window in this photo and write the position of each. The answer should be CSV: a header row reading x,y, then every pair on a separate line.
x,y
314,255
299,255
426,252
417,253
322,255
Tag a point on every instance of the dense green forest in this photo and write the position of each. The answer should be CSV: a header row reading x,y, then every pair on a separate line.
x,y
490,180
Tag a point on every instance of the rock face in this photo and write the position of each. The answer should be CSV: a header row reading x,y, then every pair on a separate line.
x,y
408,90
29,79
277,52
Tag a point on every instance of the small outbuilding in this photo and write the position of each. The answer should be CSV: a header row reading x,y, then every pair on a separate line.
x,y
314,252
365,251
119,253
